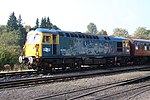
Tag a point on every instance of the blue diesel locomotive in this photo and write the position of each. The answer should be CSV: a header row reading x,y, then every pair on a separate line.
x,y
47,49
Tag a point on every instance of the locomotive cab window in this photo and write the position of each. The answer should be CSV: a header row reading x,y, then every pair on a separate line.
x,y
33,38
46,39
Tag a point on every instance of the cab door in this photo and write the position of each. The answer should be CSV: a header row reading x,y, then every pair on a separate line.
x,y
126,47
47,44
55,46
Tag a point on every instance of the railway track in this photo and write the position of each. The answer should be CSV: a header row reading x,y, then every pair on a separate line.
x,y
28,73
132,93
61,77
81,93
11,74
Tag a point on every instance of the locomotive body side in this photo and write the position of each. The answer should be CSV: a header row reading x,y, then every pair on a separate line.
x,y
46,49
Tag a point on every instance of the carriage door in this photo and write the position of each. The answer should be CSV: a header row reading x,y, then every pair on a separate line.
x,y
55,44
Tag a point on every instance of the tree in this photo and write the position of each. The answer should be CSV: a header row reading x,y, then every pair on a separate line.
x,y
147,34
21,31
3,28
142,33
92,28
120,32
43,23
27,28
37,23
10,38
20,26
9,48
48,23
12,22
102,32
55,27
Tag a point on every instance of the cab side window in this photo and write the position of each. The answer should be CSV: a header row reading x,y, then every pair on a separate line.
x,y
119,47
46,39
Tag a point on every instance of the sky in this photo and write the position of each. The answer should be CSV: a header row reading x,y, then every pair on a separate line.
x,y
75,15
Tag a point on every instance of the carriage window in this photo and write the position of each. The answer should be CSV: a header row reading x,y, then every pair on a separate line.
x,y
146,47
46,39
136,47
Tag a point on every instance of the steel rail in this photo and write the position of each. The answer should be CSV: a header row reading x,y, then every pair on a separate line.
x,y
101,88
111,86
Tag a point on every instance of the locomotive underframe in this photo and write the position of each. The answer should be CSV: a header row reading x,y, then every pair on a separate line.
x,y
48,64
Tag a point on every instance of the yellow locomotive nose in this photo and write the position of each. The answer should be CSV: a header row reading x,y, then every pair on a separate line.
x,y
30,50
33,45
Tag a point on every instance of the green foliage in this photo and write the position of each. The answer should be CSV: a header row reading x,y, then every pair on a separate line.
x,y
4,56
102,32
49,24
120,32
27,28
92,28
142,33
16,25
9,55
12,38
9,48
9,38
45,23
147,34
55,27
37,23
21,29
3,29
12,23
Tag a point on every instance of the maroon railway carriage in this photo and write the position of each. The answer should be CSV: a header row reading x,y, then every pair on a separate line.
x,y
140,50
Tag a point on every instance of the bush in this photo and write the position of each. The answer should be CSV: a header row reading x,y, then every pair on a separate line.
x,y
9,55
10,48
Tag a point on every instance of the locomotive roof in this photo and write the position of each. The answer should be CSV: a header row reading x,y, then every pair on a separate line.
x,y
103,37
43,30
141,40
